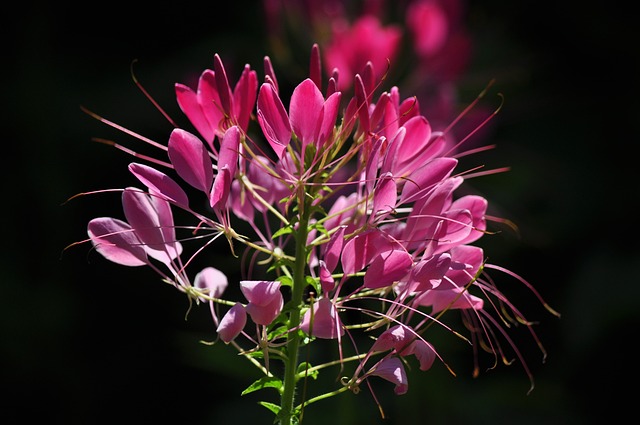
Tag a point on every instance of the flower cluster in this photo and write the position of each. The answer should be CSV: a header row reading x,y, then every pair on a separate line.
x,y
351,204
422,46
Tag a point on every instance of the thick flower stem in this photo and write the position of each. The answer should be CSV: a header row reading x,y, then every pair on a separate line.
x,y
293,342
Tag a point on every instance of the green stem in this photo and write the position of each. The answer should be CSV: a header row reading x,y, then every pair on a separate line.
x,y
293,339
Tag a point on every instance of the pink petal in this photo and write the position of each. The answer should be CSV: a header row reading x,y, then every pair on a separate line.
x,y
117,241
240,203
222,84
260,292
325,322
333,249
201,107
160,184
454,298
392,370
212,280
221,188
360,250
387,268
329,115
272,189
425,177
264,314
414,149
384,197
244,96
152,220
477,207
424,352
232,323
305,110
209,101
191,159
427,274
273,119
340,209
466,261
393,337
425,216
326,279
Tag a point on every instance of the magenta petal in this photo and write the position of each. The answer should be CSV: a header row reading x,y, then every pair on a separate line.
x,y
212,280
477,207
273,119
427,274
305,110
264,314
244,96
392,370
459,227
191,159
341,208
232,323
260,292
222,84
414,148
360,250
424,352
210,104
240,203
425,177
117,241
454,298
384,197
333,249
326,279
188,102
160,184
466,261
387,268
325,322
328,122
391,338
221,188
143,217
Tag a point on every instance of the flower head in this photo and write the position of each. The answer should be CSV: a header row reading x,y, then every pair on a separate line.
x,y
352,222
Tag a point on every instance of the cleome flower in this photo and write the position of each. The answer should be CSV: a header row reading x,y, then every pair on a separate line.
x,y
348,215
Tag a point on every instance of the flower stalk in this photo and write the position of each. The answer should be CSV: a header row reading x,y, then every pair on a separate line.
x,y
287,412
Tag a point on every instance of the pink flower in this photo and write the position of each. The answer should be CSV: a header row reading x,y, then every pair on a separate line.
x,y
429,26
232,323
311,118
212,281
265,300
192,162
405,343
391,369
115,240
214,107
322,320
356,212
365,41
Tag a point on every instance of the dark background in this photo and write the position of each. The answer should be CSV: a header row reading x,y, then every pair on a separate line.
x,y
88,342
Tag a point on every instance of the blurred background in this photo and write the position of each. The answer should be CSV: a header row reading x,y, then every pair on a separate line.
x,y
88,342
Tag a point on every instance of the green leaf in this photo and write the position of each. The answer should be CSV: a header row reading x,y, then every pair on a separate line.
x,y
286,230
314,283
271,406
285,281
264,382
302,371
